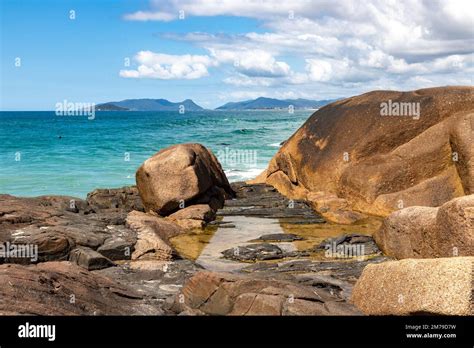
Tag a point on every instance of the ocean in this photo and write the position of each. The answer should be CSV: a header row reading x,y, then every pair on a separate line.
x,y
45,154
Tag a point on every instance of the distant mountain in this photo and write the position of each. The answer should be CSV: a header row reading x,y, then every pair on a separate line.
x,y
271,103
109,107
148,105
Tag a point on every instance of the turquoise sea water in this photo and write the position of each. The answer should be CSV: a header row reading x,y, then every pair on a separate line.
x,y
42,153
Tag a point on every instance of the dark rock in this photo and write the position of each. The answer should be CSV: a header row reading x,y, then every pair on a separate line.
x,y
126,198
259,252
118,248
157,281
254,252
63,288
347,271
279,237
264,201
365,243
89,259
48,223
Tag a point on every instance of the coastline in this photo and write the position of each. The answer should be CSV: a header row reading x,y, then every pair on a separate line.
x,y
211,247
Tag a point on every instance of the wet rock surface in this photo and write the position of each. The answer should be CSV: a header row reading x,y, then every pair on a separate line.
x,y
278,237
357,244
333,208
262,200
259,252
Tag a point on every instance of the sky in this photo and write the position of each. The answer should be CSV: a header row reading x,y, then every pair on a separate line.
x,y
226,50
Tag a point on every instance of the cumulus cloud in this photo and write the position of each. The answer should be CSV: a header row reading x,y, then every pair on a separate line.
x,y
166,66
257,63
347,46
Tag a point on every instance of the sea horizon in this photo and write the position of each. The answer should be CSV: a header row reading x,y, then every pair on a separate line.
x,y
73,155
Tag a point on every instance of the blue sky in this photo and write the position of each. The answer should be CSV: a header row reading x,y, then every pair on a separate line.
x,y
226,50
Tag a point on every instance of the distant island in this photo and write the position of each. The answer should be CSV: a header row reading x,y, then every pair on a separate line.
x,y
148,105
271,103
260,103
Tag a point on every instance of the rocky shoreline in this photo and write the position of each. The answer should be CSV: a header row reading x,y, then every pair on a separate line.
x,y
185,241
83,244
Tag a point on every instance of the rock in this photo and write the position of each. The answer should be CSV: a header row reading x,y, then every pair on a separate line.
x,y
23,211
260,179
212,293
184,173
118,248
378,163
265,201
157,281
278,237
344,217
259,252
312,271
194,216
51,245
126,198
49,223
153,234
333,208
423,232
196,212
258,304
441,286
62,288
254,252
349,245
189,224
89,259
455,233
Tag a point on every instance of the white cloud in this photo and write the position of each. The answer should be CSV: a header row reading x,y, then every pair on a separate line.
x,y
256,63
144,16
344,47
166,66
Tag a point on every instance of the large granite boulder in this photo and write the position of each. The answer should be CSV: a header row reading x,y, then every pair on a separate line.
x,y
441,286
423,232
380,164
209,293
181,175
62,288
